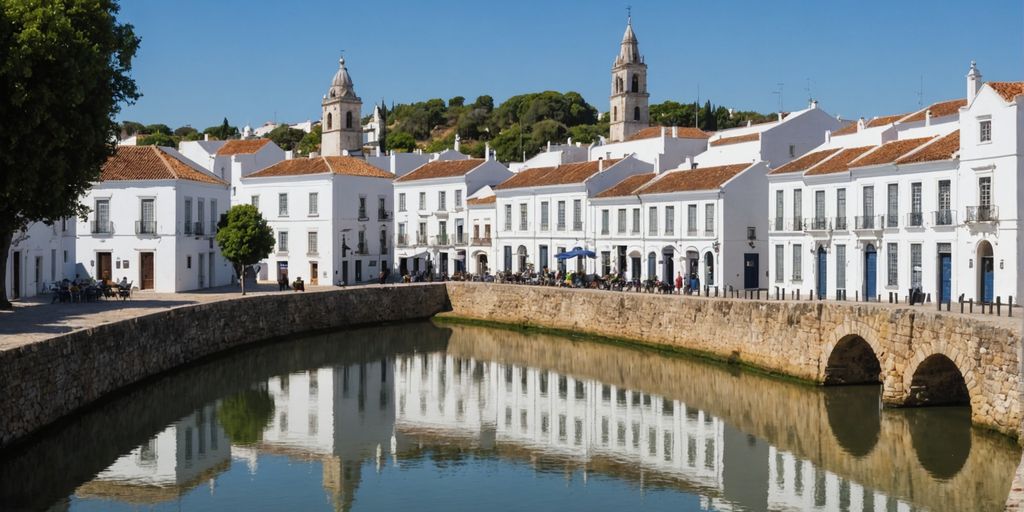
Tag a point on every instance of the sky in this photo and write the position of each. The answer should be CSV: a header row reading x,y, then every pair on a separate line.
x,y
256,61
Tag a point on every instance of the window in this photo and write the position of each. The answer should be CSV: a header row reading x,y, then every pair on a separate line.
x,y
636,220
382,212
780,263
604,221
691,219
985,130
636,113
442,203
798,200
915,205
201,216
577,215
840,267
362,208
636,83
330,118
709,219
670,219
508,217
255,200
819,209
869,207
186,215
423,201
314,204
606,262
282,241
458,198
944,217
892,254
282,205
797,262
779,209
508,256
147,217
792,151
312,240
544,214
401,202
561,216
652,221
622,221
893,206
213,216
915,265
985,191
615,113
524,219
841,208
348,119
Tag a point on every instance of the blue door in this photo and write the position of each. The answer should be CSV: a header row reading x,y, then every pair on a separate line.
x,y
987,279
870,271
822,272
750,271
652,272
945,277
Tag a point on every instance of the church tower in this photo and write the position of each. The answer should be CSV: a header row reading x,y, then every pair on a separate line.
x,y
340,124
629,111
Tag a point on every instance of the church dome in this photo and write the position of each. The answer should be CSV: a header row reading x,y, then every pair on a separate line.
x,y
341,85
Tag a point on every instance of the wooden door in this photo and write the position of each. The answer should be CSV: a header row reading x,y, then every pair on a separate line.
x,y
146,271
104,270
313,272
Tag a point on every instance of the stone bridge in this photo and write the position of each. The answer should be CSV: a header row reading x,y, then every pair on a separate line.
x,y
920,357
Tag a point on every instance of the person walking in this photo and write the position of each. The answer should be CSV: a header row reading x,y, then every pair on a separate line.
x,y
679,283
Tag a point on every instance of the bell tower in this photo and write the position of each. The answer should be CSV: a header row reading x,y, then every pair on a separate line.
x,y
629,99
340,124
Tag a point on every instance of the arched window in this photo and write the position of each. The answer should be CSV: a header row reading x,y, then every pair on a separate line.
x,y
615,113
348,119
636,83
636,113
330,121
618,84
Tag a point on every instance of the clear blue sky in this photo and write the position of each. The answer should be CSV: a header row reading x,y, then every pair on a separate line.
x,y
253,60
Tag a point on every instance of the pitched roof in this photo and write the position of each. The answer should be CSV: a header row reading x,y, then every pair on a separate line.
x,y
736,139
890,151
628,186
840,162
558,175
682,132
1008,90
941,109
343,165
806,162
850,127
685,180
442,169
151,163
945,148
473,201
242,147
884,120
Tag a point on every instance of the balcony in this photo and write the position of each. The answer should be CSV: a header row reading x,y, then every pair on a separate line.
x,y
480,241
383,215
944,218
817,224
798,224
403,240
976,214
778,224
362,215
198,229
145,227
892,221
868,222
187,228
101,227
461,239
840,224
915,220
362,248
440,240
421,239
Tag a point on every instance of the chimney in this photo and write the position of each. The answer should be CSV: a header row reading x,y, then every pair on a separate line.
x,y
814,104
457,142
288,155
664,131
828,135
675,131
860,124
928,117
600,164
569,141
750,123
973,82
549,146
487,151
688,163
608,155
780,116
657,164
394,162
206,136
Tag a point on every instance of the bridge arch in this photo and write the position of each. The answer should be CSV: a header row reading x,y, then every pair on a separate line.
x,y
936,379
852,360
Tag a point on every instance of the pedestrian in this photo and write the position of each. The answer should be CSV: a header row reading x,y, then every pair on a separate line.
x,y
679,282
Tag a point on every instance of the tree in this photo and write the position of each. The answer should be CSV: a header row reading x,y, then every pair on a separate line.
x,y
158,139
457,101
245,415
311,141
157,128
65,72
286,137
485,102
244,238
185,131
224,131
708,122
129,128
401,141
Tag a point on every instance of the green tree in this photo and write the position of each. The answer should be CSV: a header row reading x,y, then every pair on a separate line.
x,y
185,131
310,142
129,128
246,415
244,238
671,113
223,131
485,102
286,137
457,101
157,128
708,122
509,144
158,139
65,72
401,141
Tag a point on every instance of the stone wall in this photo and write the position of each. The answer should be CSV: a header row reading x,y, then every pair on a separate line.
x,y
791,338
41,382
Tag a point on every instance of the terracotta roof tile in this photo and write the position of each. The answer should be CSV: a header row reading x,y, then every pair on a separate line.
x,y
628,186
151,163
736,140
473,201
342,165
1008,90
850,127
242,147
840,162
707,178
806,162
442,169
890,151
682,132
884,120
945,148
559,175
941,109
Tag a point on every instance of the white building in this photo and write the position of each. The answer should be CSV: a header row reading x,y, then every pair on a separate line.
x,y
40,255
543,212
154,214
554,154
331,217
432,218
399,164
661,146
481,221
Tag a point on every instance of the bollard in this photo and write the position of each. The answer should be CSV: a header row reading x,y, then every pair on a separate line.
x,y
971,305
798,294
999,306
776,293
928,297
938,305
948,304
1009,306
961,304
856,295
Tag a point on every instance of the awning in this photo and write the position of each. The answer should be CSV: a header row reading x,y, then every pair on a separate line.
x,y
576,252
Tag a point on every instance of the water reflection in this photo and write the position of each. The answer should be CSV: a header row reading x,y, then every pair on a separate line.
x,y
387,399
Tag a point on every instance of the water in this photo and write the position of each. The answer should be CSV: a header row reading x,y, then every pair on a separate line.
x,y
423,417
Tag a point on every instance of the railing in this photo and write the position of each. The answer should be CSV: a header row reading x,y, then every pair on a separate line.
x,y
817,224
383,215
145,227
384,248
915,219
213,227
362,214
798,224
944,218
421,239
840,223
778,224
892,221
868,222
988,213
577,226
102,227
460,238
198,229
441,239
187,227
403,240
481,241
361,248
709,233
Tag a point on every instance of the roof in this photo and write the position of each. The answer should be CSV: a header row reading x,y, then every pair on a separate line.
x,y
1008,90
342,165
884,120
628,186
242,146
473,201
736,140
890,151
442,169
840,162
945,148
682,132
806,162
941,109
707,178
558,175
850,127
151,163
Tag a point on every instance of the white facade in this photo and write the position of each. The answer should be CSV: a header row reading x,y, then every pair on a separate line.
x,y
554,154
661,146
240,158
202,152
39,256
775,142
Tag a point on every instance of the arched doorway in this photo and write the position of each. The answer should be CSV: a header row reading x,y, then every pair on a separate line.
x,y
986,272
822,272
870,272
521,258
852,361
938,381
667,264
481,263
652,266
634,265
709,268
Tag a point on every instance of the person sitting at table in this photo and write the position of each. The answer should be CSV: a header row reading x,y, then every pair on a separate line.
x,y
123,283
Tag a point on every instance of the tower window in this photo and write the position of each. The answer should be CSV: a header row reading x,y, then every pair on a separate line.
x,y
330,120
636,113
348,119
615,113
636,83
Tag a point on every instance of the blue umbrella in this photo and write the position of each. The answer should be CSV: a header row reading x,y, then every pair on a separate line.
x,y
576,252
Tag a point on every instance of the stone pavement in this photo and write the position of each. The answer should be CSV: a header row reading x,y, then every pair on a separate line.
x,y
36,319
